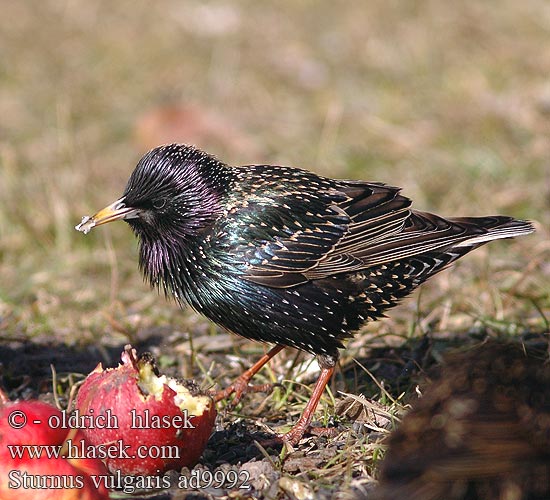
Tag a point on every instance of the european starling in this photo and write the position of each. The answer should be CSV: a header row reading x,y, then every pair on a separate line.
x,y
282,255
480,431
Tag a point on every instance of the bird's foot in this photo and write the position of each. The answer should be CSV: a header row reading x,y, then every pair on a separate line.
x,y
303,425
242,385
328,432
295,435
239,388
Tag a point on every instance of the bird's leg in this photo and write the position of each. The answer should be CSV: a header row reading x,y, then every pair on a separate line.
x,y
292,437
327,364
241,385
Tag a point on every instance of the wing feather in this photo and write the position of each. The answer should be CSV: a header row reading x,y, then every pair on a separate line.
x,y
334,225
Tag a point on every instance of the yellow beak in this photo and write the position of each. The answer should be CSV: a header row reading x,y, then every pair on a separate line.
x,y
114,211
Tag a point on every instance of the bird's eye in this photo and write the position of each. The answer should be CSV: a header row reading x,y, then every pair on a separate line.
x,y
158,204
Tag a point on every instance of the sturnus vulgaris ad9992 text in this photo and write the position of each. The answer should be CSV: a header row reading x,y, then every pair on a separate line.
x,y
282,255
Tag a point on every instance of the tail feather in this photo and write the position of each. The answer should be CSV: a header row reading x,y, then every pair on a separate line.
x,y
496,227
425,233
425,265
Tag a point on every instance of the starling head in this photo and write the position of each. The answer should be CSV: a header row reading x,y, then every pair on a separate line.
x,y
173,193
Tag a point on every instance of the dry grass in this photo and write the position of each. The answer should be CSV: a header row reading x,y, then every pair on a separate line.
x,y
449,100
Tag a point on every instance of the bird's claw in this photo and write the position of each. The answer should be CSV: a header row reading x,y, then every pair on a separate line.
x,y
239,388
295,435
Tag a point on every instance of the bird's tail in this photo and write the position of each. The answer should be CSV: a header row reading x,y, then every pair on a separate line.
x,y
495,226
426,233
483,230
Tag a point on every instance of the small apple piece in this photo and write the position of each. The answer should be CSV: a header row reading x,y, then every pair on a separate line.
x,y
161,423
26,475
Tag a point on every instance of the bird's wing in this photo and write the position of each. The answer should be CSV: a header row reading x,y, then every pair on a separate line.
x,y
376,212
285,239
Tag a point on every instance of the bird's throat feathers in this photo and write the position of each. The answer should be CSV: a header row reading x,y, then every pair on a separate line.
x,y
172,266
158,261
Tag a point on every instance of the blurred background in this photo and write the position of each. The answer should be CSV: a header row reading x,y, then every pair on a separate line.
x,y
449,100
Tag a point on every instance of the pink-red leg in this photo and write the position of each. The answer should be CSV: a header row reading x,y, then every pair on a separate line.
x,y
295,434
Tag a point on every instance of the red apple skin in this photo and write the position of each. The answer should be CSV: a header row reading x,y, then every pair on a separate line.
x,y
118,390
42,434
31,432
83,490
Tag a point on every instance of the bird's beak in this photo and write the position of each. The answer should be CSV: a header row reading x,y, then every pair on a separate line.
x,y
114,211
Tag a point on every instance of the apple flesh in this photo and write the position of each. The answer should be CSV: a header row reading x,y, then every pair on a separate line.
x,y
156,423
